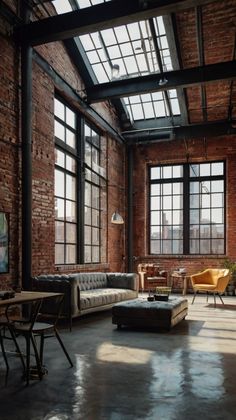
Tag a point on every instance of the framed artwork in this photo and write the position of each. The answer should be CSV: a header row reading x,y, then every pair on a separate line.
x,y
4,242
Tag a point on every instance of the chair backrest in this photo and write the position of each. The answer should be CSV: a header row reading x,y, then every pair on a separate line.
x,y
52,308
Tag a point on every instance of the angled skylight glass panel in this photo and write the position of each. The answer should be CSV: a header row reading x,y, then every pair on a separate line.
x,y
62,6
126,51
151,105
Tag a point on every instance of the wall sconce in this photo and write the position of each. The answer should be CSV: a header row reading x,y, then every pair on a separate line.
x,y
117,219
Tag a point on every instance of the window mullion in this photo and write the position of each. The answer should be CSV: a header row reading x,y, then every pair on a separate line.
x,y
80,189
186,227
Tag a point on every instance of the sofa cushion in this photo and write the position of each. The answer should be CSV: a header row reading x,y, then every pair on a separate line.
x,y
104,296
89,281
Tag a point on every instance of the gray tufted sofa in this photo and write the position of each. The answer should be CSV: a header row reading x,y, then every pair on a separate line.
x,y
88,292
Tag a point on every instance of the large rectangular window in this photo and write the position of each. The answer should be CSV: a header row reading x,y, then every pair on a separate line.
x,y
187,213
92,196
77,195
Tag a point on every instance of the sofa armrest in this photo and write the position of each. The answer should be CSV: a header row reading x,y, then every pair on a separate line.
x,y
66,284
123,281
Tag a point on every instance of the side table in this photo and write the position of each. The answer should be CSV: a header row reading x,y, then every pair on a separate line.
x,y
184,277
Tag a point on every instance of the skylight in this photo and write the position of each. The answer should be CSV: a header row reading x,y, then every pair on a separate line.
x,y
129,51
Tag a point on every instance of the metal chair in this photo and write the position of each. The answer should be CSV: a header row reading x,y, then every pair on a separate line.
x,y
32,328
3,348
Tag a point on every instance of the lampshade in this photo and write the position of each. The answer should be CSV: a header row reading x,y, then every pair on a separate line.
x,y
117,219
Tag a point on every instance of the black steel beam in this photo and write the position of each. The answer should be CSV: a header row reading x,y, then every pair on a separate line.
x,y
175,79
211,129
99,17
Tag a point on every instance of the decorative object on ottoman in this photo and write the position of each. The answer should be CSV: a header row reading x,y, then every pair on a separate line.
x,y
141,313
162,293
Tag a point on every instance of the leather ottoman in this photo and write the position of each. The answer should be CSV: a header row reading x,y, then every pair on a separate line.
x,y
141,313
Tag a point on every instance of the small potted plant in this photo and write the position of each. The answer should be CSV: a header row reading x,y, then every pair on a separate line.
x,y
231,265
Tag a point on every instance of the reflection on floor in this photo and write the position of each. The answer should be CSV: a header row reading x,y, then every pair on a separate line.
x,y
132,374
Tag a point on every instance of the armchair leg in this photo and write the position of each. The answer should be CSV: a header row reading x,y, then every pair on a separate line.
x,y
207,296
221,298
214,299
195,293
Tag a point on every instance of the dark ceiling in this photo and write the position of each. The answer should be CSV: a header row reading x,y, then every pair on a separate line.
x,y
178,80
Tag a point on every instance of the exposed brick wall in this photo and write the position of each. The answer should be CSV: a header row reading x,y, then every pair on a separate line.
x,y
175,152
43,164
9,150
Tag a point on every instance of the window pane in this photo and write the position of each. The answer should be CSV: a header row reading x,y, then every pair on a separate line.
x,y
88,153
167,172
217,168
70,117
155,189
177,247
167,217
70,187
205,215
155,232
177,232
70,254
194,231
167,202
217,200
60,158
59,231
155,173
218,231
59,109
155,218
194,216
59,183
217,186
205,200
205,246
155,247
205,231
95,218
70,211
70,138
95,197
87,216
194,247
95,254
59,131
194,170
218,246
87,198
167,246
87,254
87,235
71,233
194,201
205,169
155,203
95,236
70,164
59,254
217,215
167,189
59,208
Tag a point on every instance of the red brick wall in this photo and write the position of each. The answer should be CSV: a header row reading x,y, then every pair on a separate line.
x,y
175,152
43,164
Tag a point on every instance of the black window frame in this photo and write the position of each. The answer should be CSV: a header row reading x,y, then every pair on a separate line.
x,y
79,155
186,179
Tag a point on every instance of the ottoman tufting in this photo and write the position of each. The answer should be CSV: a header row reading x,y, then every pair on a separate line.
x,y
141,313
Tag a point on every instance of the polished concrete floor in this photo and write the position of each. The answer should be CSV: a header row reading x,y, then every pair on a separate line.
x,y
186,374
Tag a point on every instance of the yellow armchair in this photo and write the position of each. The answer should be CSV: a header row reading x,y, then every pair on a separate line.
x,y
211,280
